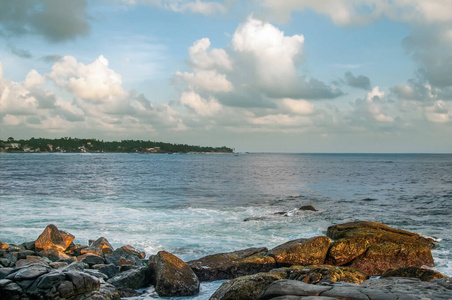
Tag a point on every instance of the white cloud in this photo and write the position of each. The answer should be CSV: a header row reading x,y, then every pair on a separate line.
x,y
439,112
273,52
299,107
197,6
346,12
201,106
201,59
207,80
33,79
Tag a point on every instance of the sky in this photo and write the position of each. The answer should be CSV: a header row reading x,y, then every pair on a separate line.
x,y
255,75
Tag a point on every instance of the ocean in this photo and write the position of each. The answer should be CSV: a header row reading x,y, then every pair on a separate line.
x,y
194,205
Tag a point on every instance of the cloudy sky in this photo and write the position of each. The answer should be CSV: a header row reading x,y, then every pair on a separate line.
x,y
256,75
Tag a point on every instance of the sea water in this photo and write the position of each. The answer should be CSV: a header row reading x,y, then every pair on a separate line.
x,y
194,205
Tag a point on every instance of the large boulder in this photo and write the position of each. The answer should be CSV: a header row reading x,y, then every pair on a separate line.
x,y
100,247
171,276
250,287
132,279
374,247
311,251
51,238
419,273
233,264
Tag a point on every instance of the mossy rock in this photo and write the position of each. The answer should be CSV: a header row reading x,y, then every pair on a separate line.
x,y
374,247
412,272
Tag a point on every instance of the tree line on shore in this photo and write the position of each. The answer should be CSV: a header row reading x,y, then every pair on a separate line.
x,y
68,144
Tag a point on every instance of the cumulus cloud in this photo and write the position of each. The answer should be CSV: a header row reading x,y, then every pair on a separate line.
x,y
360,81
347,12
201,106
88,97
56,21
202,59
206,80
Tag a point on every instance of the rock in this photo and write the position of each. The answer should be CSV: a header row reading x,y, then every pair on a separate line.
x,y
420,273
171,276
75,250
374,247
393,288
126,293
311,251
67,238
110,270
131,279
29,245
4,246
29,272
126,255
78,283
250,287
233,264
100,247
5,272
29,261
91,259
106,292
254,219
291,287
10,290
247,287
50,238
308,207
58,264
280,213
55,255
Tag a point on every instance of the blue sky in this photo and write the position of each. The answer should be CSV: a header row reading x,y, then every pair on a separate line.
x,y
263,75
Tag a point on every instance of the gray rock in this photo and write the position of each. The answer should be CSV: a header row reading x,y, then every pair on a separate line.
x,y
109,270
11,291
78,283
105,292
292,287
345,291
126,255
5,272
29,272
91,259
131,279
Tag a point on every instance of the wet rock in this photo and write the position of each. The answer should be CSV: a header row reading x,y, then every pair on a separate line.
x,y
126,293
420,273
75,249
254,219
78,283
28,261
302,251
171,276
131,279
10,290
91,259
126,255
247,287
50,238
280,213
110,270
308,207
291,287
100,247
105,292
5,272
233,264
374,247
250,287
29,272
55,255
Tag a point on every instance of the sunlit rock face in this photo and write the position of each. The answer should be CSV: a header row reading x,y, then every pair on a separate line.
x,y
52,238
373,247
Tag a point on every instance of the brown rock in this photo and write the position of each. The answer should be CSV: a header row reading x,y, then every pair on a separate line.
x,y
3,246
311,251
171,276
50,238
233,264
420,273
374,247
67,238
308,207
100,247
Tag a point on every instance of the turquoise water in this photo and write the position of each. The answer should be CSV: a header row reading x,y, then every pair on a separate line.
x,y
194,205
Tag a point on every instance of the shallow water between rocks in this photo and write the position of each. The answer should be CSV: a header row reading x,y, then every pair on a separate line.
x,y
194,204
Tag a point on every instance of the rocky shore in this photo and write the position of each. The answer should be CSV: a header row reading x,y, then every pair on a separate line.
x,y
336,266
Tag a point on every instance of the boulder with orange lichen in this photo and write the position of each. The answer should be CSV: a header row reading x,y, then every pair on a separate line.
x,y
171,276
233,264
100,247
374,247
50,238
